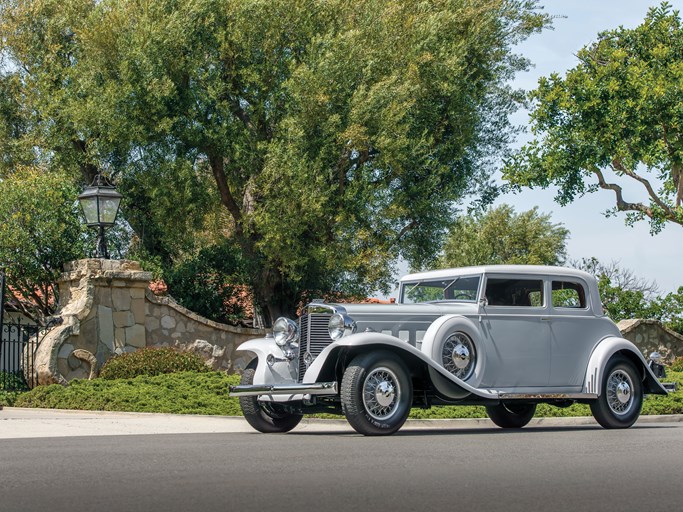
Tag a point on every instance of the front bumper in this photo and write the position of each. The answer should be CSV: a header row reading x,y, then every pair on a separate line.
x,y
318,389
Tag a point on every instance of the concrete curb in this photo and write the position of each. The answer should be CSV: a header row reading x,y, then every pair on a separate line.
x,y
411,423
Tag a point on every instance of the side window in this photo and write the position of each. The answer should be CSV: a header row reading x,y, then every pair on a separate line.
x,y
514,292
464,288
568,295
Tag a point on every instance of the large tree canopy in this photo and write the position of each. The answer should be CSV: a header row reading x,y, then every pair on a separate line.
x,y
338,134
616,117
502,236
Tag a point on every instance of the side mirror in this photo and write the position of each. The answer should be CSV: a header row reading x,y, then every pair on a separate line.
x,y
483,302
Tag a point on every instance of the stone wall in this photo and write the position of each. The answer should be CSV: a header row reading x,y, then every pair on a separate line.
x,y
108,309
168,324
651,336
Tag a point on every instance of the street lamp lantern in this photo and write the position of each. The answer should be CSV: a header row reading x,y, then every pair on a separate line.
x,y
100,203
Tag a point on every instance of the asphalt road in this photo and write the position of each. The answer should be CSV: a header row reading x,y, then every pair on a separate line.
x,y
558,468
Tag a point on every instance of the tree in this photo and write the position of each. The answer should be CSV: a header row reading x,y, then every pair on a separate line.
x,y
616,117
625,296
40,230
501,236
338,134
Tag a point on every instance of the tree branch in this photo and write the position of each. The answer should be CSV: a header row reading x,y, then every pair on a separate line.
x,y
618,166
408,227
621,204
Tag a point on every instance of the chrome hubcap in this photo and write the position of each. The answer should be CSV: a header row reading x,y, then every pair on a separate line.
x,y
619,392
459,356
381,393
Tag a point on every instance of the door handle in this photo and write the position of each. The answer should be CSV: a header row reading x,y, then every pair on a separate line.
x,y
545,319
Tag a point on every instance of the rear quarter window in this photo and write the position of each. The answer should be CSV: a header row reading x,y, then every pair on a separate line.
x,y
568,294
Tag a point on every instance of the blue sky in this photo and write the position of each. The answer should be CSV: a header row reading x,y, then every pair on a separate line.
x,y
656,257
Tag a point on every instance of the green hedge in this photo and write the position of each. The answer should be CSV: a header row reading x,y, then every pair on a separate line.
x,y
677,365
180,393
152,361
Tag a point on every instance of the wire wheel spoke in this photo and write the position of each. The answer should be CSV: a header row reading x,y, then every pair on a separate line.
x,y
458,355
619,392
381,393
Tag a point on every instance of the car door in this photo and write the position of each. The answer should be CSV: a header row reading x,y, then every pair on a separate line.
x,y
515,324
574,332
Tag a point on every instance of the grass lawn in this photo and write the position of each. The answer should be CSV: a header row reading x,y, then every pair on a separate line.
x,y
207,393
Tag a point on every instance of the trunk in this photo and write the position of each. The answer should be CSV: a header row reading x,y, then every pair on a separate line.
x,y
269,296
270,293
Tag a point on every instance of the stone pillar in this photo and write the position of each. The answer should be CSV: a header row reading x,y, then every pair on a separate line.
x,y
103,313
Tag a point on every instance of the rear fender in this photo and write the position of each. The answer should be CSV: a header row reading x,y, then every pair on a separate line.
x,y
604,351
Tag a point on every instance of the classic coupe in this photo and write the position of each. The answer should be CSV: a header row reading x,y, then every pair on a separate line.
x,y
505,337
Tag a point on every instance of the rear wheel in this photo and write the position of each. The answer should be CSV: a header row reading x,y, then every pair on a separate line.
x,y
376,393
621,399
507,415
266,417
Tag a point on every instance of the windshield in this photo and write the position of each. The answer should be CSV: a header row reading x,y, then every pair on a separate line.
x,y
462,289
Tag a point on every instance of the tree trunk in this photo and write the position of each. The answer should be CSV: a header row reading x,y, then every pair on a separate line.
x,y
269,295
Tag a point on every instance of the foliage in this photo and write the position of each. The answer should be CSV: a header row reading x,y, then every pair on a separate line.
x,y
669,309
172,209
8,398
615,118
338,134
207,393
677,365
40,230
625,296
209,284
151,361
10,380
501,236
178,393
8,383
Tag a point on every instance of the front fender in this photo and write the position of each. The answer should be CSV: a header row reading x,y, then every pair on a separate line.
x,y
282,371
602,353
373,341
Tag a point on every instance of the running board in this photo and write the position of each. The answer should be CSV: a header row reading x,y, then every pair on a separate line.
x,y
319,389
547,396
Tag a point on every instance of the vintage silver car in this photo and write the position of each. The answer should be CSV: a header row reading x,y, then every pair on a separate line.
x,y
506,337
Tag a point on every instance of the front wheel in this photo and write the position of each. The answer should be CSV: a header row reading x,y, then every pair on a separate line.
x,y
265,417
621,399
511,415
376,393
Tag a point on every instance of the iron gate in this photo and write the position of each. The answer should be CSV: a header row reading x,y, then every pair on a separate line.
x,y
18,344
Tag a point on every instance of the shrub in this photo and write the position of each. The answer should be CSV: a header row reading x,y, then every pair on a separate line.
x,y
11,382
177,393
677,365
152,361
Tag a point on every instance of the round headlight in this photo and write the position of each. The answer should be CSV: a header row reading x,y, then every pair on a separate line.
x,y
340,326
285,331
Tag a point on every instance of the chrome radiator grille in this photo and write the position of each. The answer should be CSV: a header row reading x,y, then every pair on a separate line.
x,y
313,337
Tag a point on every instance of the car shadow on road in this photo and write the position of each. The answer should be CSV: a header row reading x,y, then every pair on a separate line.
x,y
423,432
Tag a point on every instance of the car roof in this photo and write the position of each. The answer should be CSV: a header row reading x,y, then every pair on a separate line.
x,y
539,270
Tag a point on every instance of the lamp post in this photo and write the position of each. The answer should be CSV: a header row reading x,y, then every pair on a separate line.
x,y
100,202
